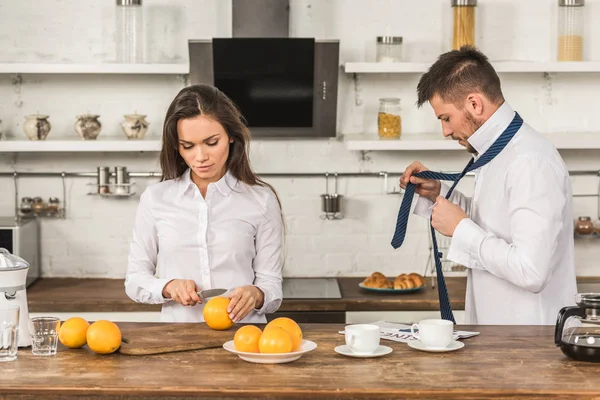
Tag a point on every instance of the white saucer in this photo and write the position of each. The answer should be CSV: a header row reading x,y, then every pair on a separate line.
x,y
454,345
272,358
380,351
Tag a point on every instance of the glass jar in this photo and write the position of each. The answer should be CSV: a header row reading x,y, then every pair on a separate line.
x,y
464,23
570,30
26,205
38,205
389,48
389,122
584,226
130,31
53,205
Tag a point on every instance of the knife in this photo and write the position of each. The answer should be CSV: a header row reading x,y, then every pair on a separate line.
x,y
208,293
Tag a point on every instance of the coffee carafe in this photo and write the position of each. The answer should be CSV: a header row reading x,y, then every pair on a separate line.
x,y
577,330
13,277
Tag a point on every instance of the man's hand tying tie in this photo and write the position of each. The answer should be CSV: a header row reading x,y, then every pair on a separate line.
x,y
446,216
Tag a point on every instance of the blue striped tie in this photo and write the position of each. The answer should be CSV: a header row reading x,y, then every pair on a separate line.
x,y
402,222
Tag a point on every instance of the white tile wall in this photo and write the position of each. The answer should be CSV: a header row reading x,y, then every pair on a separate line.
x,y
93,240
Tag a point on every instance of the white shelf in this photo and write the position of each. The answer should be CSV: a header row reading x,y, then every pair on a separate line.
x,y
123,145
408,142
114,68
433,141
500,66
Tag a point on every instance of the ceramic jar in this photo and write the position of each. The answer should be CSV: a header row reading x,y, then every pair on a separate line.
x,y
36,126
88,126
135,126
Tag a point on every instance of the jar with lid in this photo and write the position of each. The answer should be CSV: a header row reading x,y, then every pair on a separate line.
x,y
388,119
26,205
584,226
53,206
464,23
130,31
122,181
389,48
103,180
570,30
38,205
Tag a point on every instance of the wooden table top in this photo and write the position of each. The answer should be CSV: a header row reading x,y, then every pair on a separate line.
x,y
502,362
108,295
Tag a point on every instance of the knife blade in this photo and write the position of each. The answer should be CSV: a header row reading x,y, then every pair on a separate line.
x,y
208,293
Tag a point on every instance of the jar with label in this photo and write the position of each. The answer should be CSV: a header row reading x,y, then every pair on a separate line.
x,y
389,48
570,30
584,226
464,23
388,119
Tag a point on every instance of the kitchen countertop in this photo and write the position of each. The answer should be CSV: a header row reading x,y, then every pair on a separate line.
x,y
108,295
502,362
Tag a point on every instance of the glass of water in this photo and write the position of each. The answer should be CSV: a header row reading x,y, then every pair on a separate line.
x,y
44,337
9,333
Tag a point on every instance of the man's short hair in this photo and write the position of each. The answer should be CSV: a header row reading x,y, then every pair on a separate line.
x,y
457,73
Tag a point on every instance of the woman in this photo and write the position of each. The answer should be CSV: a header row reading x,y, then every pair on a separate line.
x,y
211,222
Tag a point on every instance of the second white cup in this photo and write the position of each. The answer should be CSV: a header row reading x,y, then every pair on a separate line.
x,y
434,333
362,338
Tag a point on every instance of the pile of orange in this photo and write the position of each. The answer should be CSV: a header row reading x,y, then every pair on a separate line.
x,y
102,337
282,335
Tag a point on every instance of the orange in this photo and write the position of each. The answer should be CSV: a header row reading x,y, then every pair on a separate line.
x,y
246,339
216,315
291,327
72,332
103,337
275,340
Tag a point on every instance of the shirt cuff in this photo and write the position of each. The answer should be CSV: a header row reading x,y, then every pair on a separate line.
x,y
423,206
465,244
270,304
158,289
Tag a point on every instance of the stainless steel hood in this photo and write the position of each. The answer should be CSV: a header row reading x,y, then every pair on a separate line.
x,y
260,18
286,87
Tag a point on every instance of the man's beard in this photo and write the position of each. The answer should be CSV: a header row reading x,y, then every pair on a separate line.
x,y
472,125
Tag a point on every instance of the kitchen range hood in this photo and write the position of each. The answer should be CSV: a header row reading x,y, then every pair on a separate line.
x,y
285,87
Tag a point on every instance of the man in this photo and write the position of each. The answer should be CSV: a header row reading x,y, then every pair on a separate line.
x,y
515,235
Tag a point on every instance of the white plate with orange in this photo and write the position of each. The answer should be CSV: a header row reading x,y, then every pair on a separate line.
x,y
272,358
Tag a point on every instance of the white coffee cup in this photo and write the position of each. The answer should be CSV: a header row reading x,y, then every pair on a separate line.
x,y
434,333
362,338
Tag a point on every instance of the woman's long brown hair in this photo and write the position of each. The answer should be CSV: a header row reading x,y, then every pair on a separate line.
x,y
196,100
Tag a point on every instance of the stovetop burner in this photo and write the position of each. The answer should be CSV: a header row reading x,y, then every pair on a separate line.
x,y
311,288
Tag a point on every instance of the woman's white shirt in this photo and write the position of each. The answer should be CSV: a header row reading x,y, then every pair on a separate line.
x,y
232,237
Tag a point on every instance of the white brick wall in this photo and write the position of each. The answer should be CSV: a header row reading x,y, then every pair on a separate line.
x,y
93,241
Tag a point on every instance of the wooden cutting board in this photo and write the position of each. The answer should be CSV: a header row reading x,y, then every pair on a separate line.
x,y
168,338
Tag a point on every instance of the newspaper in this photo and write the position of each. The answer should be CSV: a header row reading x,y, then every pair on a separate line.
x,y
401,332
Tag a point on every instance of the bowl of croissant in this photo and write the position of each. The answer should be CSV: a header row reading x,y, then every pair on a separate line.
x,y
402,283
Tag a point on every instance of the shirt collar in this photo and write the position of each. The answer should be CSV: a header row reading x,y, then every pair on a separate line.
x,y
486,135
225,185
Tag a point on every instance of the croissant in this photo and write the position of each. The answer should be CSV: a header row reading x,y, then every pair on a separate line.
x,y
399,284
418,279
410,283
378,275
383,284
